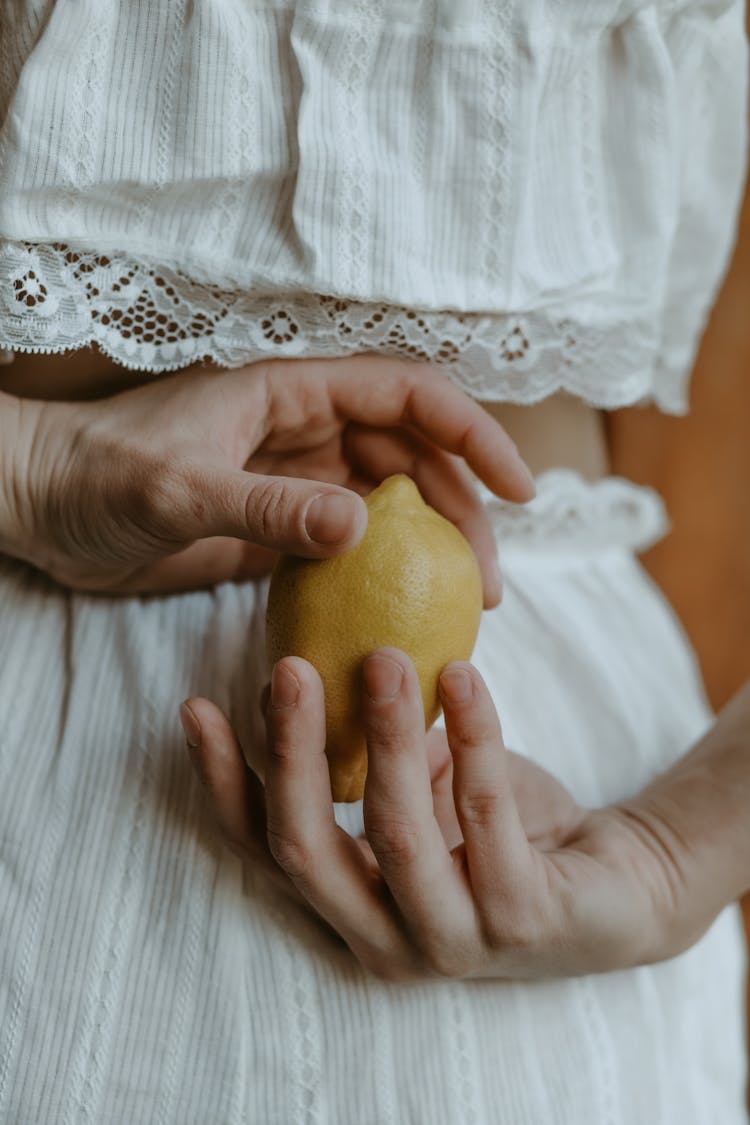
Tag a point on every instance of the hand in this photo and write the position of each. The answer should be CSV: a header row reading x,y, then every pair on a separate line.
x,y
514,880
545,807
200,477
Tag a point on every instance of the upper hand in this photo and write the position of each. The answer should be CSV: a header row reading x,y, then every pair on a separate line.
x,y
200,477
482,868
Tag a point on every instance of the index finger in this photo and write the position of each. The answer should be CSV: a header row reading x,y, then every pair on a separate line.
x,y
325,864
398,806
401,392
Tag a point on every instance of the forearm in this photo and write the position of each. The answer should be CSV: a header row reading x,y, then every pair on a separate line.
x,y
697,816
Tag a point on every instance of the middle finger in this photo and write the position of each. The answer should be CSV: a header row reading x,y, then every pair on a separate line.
x,y
444,482
398,808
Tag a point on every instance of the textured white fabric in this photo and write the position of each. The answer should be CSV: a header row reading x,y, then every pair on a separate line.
x,y
143,978
537,194
553,184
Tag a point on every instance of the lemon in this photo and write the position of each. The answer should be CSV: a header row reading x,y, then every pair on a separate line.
x,y
412,581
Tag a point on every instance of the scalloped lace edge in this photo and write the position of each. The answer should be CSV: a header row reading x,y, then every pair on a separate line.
x,y
157,319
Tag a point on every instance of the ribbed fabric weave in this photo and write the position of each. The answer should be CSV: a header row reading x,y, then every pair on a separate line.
x,y
536,195
144,977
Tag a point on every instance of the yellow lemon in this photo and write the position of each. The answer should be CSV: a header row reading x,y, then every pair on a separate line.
x,y
413,582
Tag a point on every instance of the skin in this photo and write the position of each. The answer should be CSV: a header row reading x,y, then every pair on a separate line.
x,y
208,475
475,862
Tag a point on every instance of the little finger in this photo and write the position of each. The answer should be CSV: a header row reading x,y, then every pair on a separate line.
x,y
234,790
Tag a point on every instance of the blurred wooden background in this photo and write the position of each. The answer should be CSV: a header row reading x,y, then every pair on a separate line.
x,y
701,466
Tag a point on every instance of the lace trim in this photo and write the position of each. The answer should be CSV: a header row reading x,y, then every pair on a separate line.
x,y
158,320
570,513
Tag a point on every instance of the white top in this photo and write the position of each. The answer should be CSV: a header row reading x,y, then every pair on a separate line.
x,y
535,193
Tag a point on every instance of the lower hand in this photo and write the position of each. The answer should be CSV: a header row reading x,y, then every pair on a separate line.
x,y
474,862
201,477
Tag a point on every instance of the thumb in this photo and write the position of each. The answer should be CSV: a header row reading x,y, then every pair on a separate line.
x,y
299,517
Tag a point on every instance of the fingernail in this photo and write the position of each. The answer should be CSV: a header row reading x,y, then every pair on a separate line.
x,y
383,678
284,687
456,685
330,518
191,726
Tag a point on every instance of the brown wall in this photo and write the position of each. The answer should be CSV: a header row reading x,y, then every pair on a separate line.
x,y
701,465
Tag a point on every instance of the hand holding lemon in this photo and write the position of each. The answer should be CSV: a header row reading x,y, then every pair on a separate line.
x,y
210,473
474,862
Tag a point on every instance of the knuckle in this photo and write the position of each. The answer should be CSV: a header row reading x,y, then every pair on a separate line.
x,y
281,750
155,490
475,731
513,929
478,806
447,960
385,726
188,484
445,964
395,842
294,856
268,507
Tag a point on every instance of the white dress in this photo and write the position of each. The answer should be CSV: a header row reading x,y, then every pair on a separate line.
x,y
538,195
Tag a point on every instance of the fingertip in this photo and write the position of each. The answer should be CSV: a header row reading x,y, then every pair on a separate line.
x,y
397,655
491,600
387,673
190,724
383,678
208,732
361,517
336,521
296,703
285,686
216,755
527,482
456,684
206,715
493,585
523,486
467,702
305,674
232,789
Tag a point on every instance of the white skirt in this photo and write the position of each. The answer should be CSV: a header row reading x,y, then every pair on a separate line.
x,y
144,977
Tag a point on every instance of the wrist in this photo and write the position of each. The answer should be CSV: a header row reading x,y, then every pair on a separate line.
x,y
693,821
633,919
19,424
11,460
659,864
